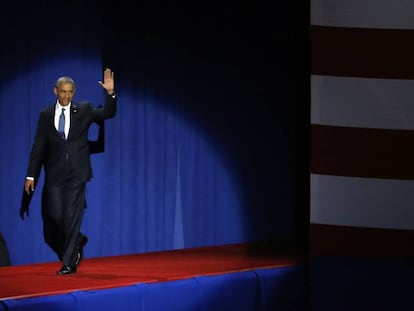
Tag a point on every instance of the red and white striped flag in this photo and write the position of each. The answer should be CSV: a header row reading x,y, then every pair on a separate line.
x,y
362,127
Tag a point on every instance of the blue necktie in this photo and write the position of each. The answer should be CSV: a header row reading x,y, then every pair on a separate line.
x,y
61,127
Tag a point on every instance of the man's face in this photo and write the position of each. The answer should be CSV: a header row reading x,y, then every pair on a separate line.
x,y
64,93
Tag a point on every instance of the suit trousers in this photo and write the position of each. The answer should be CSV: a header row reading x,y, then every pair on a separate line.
x,y
63,207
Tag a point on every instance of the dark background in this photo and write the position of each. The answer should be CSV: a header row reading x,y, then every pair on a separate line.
x,y
262,122
236,72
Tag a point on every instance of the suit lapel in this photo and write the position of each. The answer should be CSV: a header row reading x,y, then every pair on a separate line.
x,y
74,109
51,117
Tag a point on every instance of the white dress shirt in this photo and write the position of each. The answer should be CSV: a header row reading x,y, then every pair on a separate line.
x,y
58,111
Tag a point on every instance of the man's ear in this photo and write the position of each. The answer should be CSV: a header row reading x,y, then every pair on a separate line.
x,y
55,90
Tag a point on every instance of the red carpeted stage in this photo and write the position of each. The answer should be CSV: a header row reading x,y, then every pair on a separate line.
x,y
242,275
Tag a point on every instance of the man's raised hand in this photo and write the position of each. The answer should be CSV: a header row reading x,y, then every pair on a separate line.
x,y
108,82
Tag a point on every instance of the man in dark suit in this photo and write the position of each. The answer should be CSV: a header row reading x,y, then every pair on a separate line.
x,y
61,147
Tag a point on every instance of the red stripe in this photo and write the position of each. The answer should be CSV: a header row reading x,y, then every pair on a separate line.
x,y
362,152
360,52
330,240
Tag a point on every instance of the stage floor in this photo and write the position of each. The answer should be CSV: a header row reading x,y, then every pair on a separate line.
x,y
24,281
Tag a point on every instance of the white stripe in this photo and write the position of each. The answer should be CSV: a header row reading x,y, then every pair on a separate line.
x,y
360,102
397,14
362,202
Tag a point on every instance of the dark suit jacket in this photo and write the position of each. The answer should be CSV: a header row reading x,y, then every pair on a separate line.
x,y
49,150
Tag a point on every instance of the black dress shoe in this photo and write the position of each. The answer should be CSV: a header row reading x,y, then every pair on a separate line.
x,y
81,244
66,270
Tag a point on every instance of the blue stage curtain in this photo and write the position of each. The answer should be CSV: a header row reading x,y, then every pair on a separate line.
x,y
191,158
